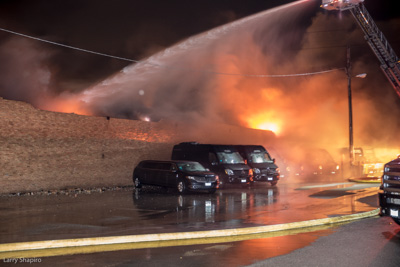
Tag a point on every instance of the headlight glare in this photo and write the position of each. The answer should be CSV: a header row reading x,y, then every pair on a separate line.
x,y
228,171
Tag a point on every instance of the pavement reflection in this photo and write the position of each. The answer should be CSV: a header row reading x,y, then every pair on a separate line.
x,y
155,210
227,208
255,206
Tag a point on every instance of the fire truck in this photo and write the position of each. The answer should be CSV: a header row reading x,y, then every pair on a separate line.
x,y
389,194
390,62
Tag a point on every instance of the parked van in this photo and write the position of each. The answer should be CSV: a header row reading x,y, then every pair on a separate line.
x,y
182,175
318,161
258,158
223,160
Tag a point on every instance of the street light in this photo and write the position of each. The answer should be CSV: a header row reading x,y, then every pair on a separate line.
x,y
362,76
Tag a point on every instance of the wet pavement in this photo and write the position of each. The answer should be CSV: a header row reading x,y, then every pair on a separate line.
x,y
230,254
155,210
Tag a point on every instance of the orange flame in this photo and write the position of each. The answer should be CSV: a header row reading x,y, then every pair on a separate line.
x,y
263,123
265,112
65,105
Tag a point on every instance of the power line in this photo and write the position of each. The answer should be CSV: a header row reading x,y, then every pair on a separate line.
x,y
277,75
323,31
332,46
138,61
68,46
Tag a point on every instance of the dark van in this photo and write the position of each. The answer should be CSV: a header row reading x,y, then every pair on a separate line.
x,y
223,160
258,158
182,175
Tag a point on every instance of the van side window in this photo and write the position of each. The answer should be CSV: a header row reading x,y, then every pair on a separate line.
x,y
212,158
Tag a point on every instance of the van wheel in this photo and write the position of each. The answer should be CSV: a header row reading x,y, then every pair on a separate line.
x,y
137,182
181,186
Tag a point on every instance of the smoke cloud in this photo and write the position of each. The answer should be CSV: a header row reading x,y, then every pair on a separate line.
x,y
24,68
212,78
26,76
200,76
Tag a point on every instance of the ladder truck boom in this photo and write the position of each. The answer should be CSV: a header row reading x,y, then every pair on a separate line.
x,y
390,62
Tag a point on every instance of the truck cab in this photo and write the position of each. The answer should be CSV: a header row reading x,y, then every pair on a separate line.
x,y
389,194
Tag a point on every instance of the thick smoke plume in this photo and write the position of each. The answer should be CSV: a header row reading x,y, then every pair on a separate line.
x,y
212,78
26,75
206,76
23,73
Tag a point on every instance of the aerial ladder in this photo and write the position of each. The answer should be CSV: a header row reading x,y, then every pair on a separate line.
x,y
390,62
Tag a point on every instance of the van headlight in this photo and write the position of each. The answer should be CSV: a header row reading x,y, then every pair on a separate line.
x,y
229,171
256,170
190,177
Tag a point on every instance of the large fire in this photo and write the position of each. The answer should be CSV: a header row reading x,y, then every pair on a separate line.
x,y
263,110
264,124
66,105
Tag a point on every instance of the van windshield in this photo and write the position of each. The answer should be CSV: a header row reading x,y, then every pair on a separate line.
x,y
191,167
259,157
229,158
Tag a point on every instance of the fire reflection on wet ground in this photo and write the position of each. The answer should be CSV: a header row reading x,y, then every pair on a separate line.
x,y
155,210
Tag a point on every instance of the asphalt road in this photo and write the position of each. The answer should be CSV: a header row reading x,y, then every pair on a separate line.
x,y
369,242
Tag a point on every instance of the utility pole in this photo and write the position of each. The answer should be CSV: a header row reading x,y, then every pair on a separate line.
x,y
351,145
